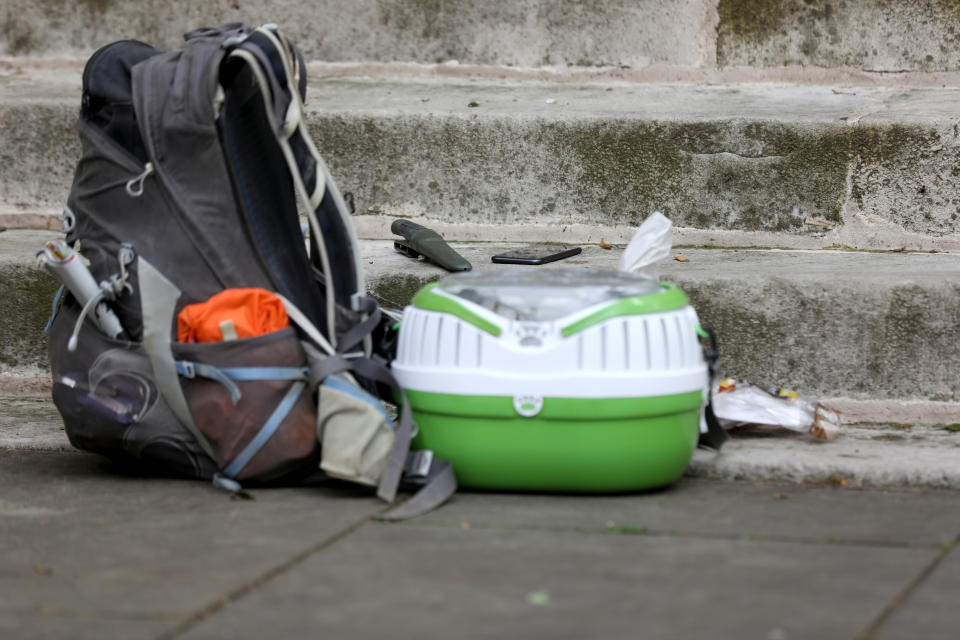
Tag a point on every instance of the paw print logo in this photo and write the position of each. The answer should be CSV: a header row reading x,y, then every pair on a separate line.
x,y
528,406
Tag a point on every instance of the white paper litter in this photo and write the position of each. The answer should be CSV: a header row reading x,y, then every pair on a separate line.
x,y
650,244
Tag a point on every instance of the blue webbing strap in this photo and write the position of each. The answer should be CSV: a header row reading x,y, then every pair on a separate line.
x,y
267,430
53,310
227,375
189,369
266,373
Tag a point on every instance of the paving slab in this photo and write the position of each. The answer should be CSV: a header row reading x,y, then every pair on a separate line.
x,y
922,613
771,511
413,581
97,552
83,538
804,166
50,624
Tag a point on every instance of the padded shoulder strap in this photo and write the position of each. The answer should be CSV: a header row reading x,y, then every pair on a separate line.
x,y
280,73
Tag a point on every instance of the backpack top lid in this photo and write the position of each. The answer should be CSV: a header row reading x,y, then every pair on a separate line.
x,y
107,99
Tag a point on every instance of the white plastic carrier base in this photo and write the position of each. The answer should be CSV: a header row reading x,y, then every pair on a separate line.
x,y
560,380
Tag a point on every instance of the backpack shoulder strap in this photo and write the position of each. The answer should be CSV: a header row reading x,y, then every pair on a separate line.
x,y
281,75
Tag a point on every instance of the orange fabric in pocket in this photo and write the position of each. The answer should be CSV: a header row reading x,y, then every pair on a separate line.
x,y
252,312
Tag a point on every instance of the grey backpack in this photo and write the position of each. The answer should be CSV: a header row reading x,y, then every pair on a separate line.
x,y
192,168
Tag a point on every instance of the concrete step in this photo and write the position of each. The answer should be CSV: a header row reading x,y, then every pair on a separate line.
x,y
882,37
878,455
731,165
873,334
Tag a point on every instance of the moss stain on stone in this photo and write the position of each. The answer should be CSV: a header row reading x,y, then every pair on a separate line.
x,y
396,291
763,176
753,20
22,341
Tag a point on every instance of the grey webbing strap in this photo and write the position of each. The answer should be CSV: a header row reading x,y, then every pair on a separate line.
x,y
441,485
158,299
322,368
358,332
393,466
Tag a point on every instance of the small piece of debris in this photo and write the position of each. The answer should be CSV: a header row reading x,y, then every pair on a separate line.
x,y
466,526
538,598
551,101
473,103
900,250
837,480
782,495
681,258
818,221
41,570
605,245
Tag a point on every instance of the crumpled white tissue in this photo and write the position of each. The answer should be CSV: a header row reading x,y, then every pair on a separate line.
x,y
650,244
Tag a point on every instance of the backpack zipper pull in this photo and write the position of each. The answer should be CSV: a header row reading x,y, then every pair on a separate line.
x,y
135,185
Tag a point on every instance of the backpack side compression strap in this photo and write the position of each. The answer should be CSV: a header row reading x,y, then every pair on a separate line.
x,y
159,298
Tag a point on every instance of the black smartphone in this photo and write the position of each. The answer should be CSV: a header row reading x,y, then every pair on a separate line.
x,y
536,254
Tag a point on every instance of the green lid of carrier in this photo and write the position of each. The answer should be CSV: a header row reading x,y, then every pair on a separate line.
x,y
527,295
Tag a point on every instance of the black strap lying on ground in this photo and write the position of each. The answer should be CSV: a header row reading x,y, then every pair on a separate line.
x,y
715,435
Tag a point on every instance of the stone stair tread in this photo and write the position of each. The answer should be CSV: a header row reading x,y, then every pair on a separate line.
x,y
58,81
880,455
747,164
873,332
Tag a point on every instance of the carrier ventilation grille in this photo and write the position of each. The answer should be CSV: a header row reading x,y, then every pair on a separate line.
x,y
661,342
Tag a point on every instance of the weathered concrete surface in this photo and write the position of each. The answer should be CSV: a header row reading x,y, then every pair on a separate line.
x,y
31,422
176,559
122,556
710,509
857,325
885,35
27,294
888,456
527,33
831,323
933,600
483,580
802,166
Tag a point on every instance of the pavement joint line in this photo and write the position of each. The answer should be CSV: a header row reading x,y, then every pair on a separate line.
x,y
240,592
874,627
639,531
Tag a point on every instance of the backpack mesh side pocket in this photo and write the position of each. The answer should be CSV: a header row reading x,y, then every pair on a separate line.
x,y
251,400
